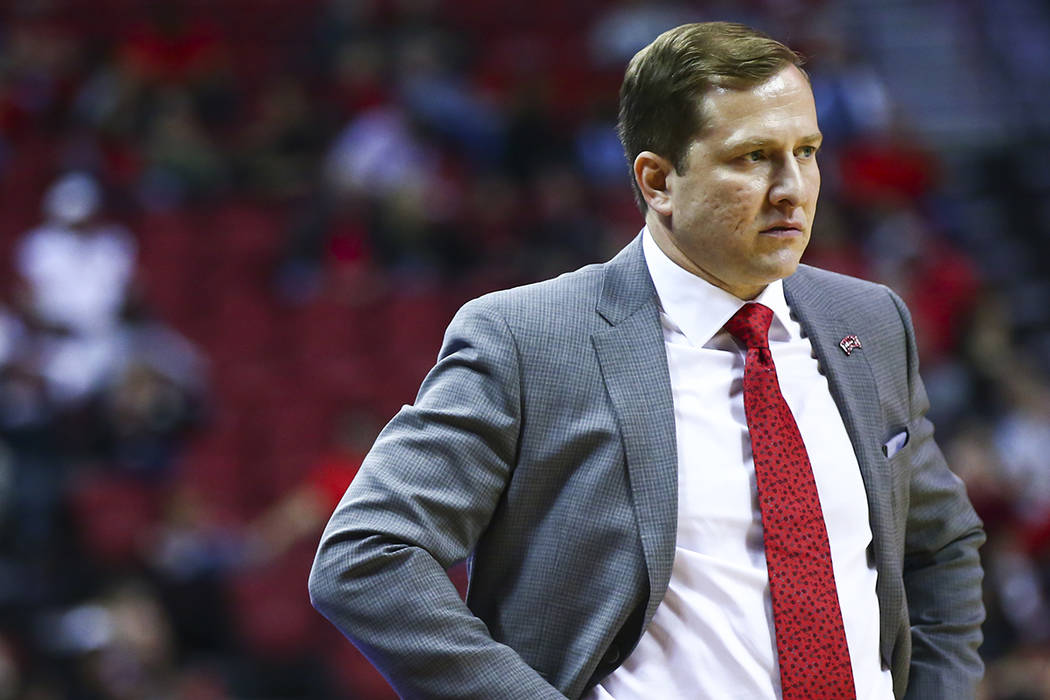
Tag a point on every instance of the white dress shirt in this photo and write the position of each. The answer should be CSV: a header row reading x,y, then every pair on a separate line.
x,y
713,635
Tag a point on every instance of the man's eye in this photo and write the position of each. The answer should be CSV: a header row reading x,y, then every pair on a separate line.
x,y
807,151
755,156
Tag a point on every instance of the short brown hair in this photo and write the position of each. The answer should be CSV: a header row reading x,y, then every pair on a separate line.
x,y
663,84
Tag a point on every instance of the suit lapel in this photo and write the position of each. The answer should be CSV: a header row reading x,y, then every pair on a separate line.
x,y
855,393
633,362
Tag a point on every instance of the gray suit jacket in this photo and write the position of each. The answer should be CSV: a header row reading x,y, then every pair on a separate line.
x,y
542,445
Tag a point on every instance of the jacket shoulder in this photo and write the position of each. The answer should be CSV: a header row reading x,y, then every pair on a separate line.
x,y
566,298
836,280
842,295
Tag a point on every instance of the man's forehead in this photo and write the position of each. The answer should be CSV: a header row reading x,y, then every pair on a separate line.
x,y
784,100
789,79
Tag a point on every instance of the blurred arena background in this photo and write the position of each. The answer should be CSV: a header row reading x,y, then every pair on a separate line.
x,y
232,233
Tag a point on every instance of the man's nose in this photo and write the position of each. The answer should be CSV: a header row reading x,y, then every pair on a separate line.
x,y
788,187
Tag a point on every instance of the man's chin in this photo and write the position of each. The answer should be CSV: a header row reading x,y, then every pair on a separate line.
x,y
780,269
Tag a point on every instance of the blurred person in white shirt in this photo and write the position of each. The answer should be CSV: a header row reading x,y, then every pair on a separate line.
x,y
76,275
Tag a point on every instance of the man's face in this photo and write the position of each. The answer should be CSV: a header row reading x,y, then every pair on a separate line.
x,y
740,213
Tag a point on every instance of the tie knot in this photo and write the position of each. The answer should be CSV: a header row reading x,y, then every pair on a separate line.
x,y
750,325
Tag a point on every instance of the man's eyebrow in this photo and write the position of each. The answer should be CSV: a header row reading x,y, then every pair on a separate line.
x,y
758,143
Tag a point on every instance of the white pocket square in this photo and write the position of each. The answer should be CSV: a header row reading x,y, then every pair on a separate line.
x,y
895,443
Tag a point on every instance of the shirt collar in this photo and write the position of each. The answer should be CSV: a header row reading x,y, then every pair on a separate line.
x,y
698,308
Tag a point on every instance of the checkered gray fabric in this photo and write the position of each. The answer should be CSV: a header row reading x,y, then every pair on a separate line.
x,y
542,445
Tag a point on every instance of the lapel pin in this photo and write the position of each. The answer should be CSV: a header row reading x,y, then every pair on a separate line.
x,y
849,344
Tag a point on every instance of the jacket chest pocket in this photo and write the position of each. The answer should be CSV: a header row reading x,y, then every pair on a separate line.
x,y
898,453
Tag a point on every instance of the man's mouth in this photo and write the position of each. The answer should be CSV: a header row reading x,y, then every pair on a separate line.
x,y
783,229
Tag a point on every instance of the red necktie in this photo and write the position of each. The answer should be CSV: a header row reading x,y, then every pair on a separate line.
x,y
811,641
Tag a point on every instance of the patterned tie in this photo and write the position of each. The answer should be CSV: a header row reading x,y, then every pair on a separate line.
x,y
811,641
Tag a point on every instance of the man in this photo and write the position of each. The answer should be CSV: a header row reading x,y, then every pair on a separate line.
x,y
613,451
77,276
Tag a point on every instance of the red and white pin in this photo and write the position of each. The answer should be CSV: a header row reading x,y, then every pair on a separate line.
x,y
849,344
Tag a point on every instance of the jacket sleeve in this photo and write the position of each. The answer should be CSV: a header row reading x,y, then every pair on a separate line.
x,y
423,496
942,569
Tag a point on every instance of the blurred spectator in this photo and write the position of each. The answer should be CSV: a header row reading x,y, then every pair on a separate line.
x,y
87,338
171,47
851,98
627,26
145,417
118,646
181,162
305,509
41,61
441,99
940,285
563,230
534,136
1022,438
175,46
379,154
599,152
329,246
275,155
78,278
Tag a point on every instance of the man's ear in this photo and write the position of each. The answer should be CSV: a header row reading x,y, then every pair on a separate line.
x,y
651,172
